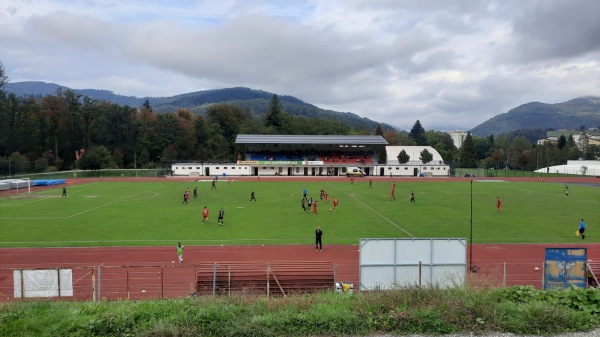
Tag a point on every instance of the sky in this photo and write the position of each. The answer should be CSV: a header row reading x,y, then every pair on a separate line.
x,y
452,65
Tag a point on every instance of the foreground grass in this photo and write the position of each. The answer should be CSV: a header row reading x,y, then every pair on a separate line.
x,y
521,310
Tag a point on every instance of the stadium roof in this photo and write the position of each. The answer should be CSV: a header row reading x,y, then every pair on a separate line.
x,y
310,139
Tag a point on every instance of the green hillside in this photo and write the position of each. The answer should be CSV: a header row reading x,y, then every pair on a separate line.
x,y
573,114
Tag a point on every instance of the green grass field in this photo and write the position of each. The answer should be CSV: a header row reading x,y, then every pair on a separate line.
x,y
151,213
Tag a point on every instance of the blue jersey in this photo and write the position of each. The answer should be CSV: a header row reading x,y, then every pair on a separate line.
x,y
582,225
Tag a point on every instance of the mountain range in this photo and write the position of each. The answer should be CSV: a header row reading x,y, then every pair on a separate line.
x,y
256,101
578,113
574,114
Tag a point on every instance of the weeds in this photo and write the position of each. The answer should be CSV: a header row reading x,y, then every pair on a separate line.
x,y
521,310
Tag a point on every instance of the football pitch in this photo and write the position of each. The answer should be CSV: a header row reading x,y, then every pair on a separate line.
x,y
135,213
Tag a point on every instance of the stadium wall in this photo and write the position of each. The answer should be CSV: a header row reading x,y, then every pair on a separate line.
x,y
306,168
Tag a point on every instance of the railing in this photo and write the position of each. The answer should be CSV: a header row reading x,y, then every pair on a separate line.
x,y
170,281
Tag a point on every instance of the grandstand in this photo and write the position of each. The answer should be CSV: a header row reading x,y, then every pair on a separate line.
x,y
314,155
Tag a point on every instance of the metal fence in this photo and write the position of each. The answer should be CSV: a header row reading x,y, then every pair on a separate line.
x,y
171,281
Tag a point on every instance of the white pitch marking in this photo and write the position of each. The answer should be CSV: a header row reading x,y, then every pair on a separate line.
x,y
374,211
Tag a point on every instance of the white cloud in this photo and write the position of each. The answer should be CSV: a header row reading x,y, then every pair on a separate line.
x,y
452,65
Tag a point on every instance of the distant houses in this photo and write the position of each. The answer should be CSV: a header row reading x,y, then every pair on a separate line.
x,y
581,138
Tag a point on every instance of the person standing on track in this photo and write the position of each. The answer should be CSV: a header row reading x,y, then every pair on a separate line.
x,y
180,252
318,239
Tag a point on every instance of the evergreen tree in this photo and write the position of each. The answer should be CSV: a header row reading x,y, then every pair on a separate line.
x,y
426,156
3,78
562,141
274,116
403,157
468,156
380,150
146,105
417,134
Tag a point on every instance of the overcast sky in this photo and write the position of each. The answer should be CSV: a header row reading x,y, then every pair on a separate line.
x,y
450,64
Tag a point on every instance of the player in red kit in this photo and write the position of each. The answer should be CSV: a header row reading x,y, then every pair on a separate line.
x,y
335,203
498,205
205,214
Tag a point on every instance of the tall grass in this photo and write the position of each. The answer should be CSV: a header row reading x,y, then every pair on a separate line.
x,y
404,311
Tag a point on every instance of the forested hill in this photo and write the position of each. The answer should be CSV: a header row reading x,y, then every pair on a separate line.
x,y
573,114
256,101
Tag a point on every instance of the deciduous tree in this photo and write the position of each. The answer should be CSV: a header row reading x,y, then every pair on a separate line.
x,y
403,157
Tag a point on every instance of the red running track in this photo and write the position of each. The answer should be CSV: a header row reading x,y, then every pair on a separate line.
x,y
497,264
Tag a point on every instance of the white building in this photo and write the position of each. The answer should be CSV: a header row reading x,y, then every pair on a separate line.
x,y
458,137
414,167
578,167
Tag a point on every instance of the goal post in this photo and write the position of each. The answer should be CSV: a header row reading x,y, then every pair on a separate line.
x,y
24,181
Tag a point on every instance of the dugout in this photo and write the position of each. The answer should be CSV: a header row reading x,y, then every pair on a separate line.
x,y
308,155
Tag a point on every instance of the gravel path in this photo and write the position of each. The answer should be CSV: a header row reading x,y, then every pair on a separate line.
x,y
593,333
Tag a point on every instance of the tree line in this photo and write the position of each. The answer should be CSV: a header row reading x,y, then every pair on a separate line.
x,y
67,130
516,150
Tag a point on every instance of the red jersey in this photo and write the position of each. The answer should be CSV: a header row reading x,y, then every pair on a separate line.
x,y
205,213
335,201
